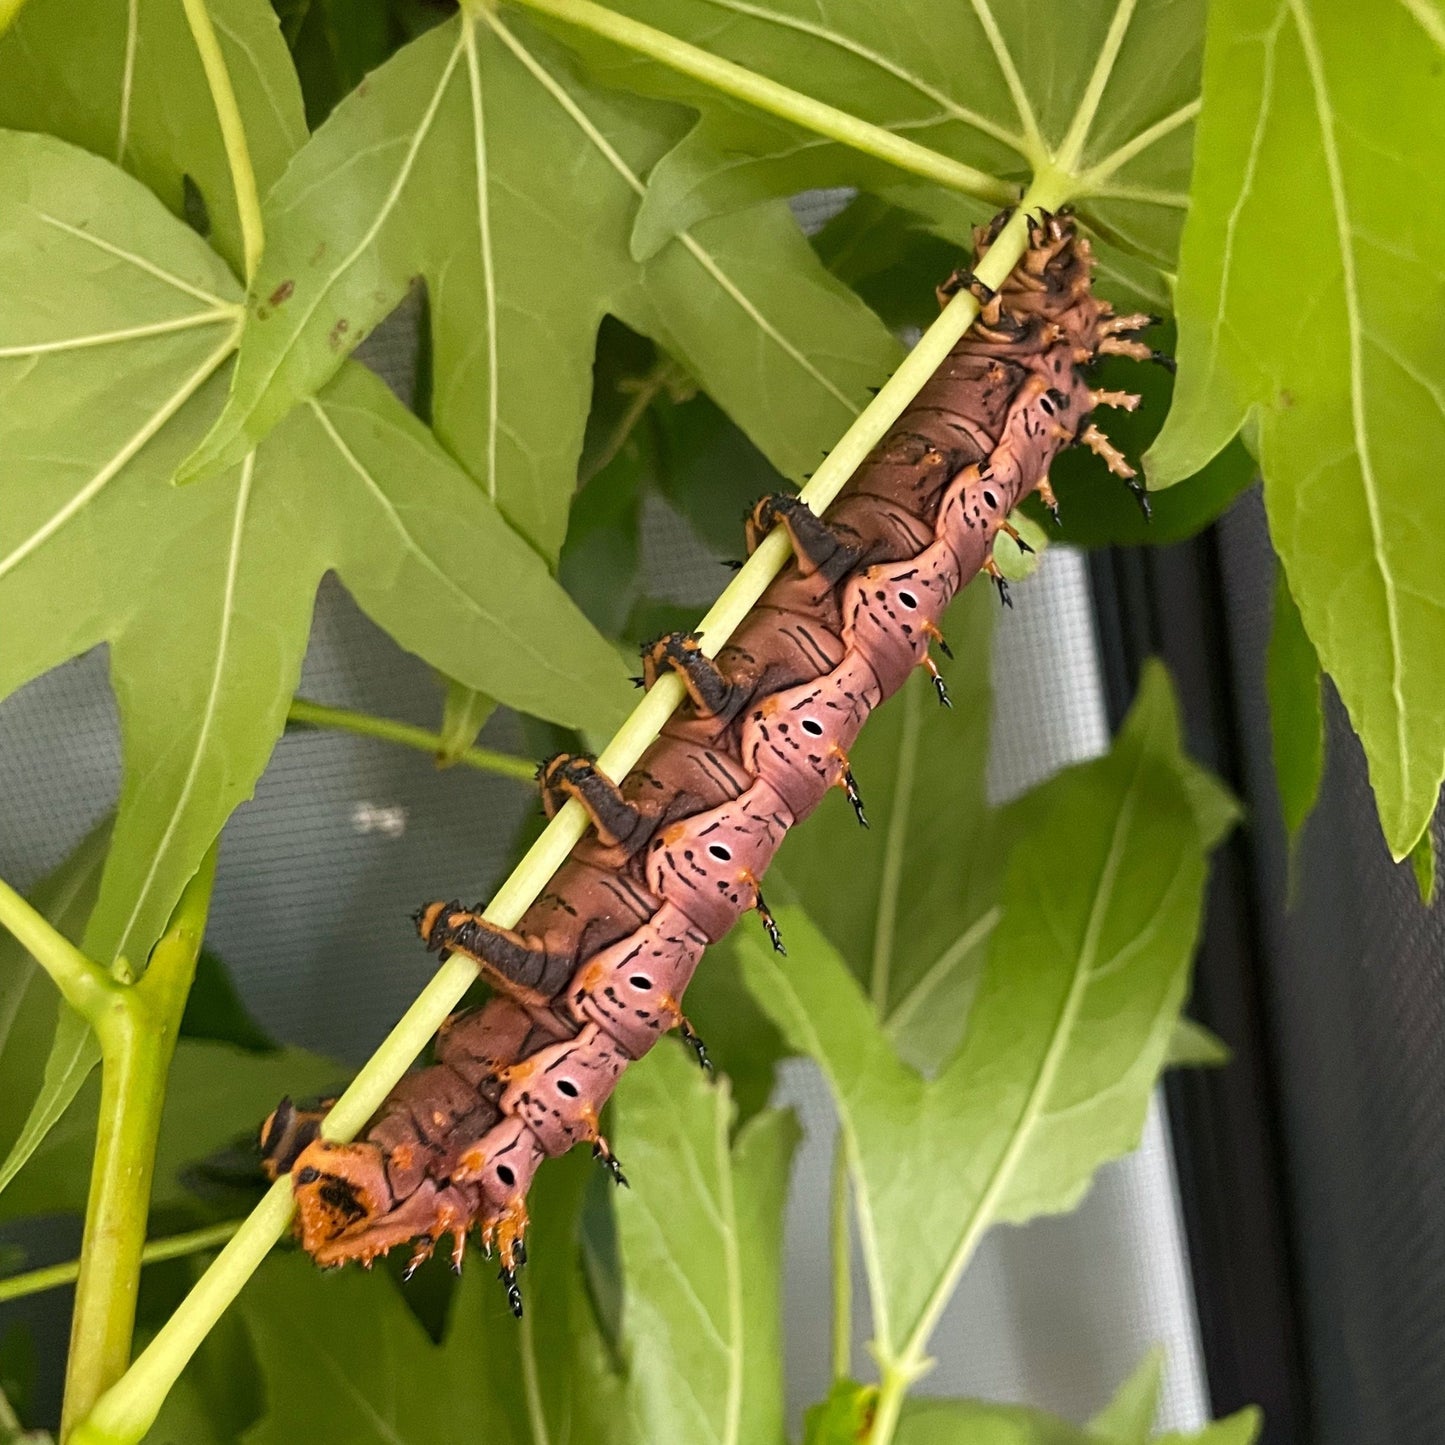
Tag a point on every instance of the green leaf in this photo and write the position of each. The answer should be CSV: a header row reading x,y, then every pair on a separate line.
x,y
996,87
1316,231
344,1360
1128,1419
46,1048
1296,710
701,1240
1241,1428
463,714
910,901
215,1094
447,167
113,327
1066,1035
1422,865
974,1422
134,92
1193,1045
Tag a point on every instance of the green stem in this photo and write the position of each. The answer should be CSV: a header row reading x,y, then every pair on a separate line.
x,y
233,132
317,715
83,984
768,95
893,1389
137,1032
842,1249
129,1408
175,1246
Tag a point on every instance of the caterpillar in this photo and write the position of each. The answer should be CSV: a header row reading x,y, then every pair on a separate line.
x,y
594,973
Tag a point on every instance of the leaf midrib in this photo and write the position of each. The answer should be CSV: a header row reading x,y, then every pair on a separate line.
x,y
1339,201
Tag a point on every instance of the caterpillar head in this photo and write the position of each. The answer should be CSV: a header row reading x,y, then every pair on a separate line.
x,y
340,1190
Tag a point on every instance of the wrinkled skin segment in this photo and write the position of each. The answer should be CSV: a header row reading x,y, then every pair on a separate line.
x,y
595,971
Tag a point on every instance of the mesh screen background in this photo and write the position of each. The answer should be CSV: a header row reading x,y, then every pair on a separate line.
x,y
1356,982
320,871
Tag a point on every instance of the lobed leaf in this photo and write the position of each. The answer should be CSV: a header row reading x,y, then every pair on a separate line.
x,y
135,93
445,166
1316,234
700,1234
115,322
997,86
1066,1034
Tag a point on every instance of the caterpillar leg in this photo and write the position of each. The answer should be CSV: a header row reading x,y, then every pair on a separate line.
x,y
816,545
962,279
602,1151
1046,496
1113,458
571,775
939,686
693,1040
1000,581
511,961
712,694
770,924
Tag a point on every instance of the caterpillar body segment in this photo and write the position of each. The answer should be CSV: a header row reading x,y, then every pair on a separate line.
x,y
594,972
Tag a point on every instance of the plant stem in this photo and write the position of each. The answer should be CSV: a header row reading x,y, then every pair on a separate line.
x,y
842,1249
233,132
83,984
317,715
128,1409
768,95
175,1246
137,1032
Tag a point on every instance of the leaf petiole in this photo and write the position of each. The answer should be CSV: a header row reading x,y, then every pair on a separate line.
x,y
175,1246
233,132
306,714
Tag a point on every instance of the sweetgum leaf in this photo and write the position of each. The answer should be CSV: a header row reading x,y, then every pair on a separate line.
x,y
996,87
46,1049
345,1363
974,1422
1193,1045
114,329
447,164
134,92
1310,274
1129,1417
1065,1038
700,1233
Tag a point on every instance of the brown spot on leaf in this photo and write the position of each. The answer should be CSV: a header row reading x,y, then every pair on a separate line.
x,y
281,293
338,333
318,253
1285,400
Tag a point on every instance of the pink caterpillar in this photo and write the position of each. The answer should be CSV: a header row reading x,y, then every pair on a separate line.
x,y
595,971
